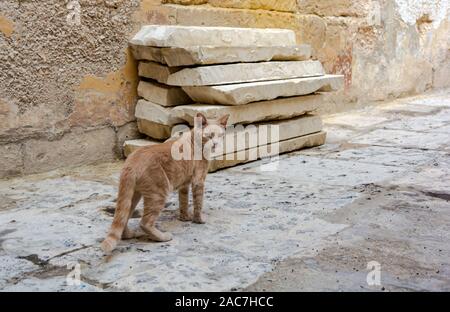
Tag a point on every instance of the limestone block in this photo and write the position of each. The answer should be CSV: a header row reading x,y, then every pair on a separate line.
x,y
156,113
244,72
274,5
154,130
156,71
182,36
213,16
288,140
238,94
207,55
162,94
132,145
347,8
147,53
241,137
127,132
74,148
252,154
283,108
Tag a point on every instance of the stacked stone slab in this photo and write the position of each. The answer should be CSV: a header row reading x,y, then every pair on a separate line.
x,y
258,76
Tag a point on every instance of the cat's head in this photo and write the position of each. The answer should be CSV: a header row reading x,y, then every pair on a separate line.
x,y
212,131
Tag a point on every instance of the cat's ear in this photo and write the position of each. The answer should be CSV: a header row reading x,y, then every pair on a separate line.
x,y
201,119
224,120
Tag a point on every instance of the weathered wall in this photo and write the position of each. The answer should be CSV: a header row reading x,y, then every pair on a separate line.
x,y
67,92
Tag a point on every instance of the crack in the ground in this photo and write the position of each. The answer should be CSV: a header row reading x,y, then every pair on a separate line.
x,y
439,195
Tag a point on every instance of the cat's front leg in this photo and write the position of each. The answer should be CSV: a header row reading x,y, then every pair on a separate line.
x,y
197,194
183,198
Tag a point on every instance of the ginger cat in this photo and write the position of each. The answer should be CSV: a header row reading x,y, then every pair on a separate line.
x,y
152,173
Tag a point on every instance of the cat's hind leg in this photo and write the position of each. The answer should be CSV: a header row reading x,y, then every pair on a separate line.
x,y
127,233
183,197
153,204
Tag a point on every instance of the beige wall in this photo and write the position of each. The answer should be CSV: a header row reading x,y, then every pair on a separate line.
x,y
67,92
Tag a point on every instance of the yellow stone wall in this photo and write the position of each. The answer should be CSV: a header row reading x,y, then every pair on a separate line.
x,y
60,81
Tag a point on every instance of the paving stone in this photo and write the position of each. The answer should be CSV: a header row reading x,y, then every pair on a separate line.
x,y
252,154
356,120
244,72
143,53
243,93
131,145
182,36
404,139
156,113
154,130
282,108
249,136
163,94
207,55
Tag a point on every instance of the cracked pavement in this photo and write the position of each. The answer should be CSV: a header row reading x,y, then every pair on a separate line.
x,y
378,190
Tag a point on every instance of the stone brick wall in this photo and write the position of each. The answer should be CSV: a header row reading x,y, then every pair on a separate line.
x,y
68,89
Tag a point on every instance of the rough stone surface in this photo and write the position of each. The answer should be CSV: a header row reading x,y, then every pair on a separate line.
x,y
154,130
244,72
156,71
321,216
287,129
253,112
131,145
143,53
207,55
162,94
73,149
275,5
127,132
238,94
83,76
181,36
241,138
156,113
11,159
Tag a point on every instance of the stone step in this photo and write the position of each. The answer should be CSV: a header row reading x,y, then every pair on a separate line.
x,y
244,72
209,55
243,93
163,94
156,71
183,36
252,154
283,108
240,157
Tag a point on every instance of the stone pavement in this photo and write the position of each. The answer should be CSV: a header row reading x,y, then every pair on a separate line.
x,y
379,190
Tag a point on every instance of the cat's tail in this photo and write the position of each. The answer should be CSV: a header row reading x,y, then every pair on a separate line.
x,y
121,215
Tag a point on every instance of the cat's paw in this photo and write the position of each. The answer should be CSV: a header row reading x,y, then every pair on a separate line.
x,y
185,217
128,234
165,237
198,220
